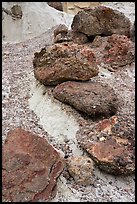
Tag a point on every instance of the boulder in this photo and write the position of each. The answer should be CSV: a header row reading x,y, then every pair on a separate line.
x,y
31,167
101,20
111,144
81,169
92,98
63,62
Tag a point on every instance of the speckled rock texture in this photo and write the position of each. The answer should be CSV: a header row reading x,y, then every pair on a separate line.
x,y
111,144
119,51
63,62
92,98
101,20
81,169
30,168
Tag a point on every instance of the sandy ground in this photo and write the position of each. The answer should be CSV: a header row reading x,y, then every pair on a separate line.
x,y
27,104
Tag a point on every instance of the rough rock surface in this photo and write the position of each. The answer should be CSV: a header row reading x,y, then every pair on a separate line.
x,y
113,52
93,98
63,62
111,144
31,167
81,169
119,51
56,5
101,21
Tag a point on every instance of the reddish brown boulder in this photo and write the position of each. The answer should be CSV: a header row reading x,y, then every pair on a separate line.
x,y
119,51
93,98
63,62
101,21
31,167
111,144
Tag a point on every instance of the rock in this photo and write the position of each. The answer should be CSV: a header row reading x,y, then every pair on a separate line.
x,y
132,32
119,51
60,33
101,20
63,62
31,167
77,37
111,144
56,5
81,169
17,11
93,98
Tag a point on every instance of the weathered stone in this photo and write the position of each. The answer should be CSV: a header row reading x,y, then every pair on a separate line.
x,y
119,51
111,144
93,98
101,20
63,62
81,169
56,5
31,167
77,37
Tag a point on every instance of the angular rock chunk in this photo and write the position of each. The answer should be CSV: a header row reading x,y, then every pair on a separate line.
x,y
31,167
93,98
81,169
111,144
101,20
63,62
